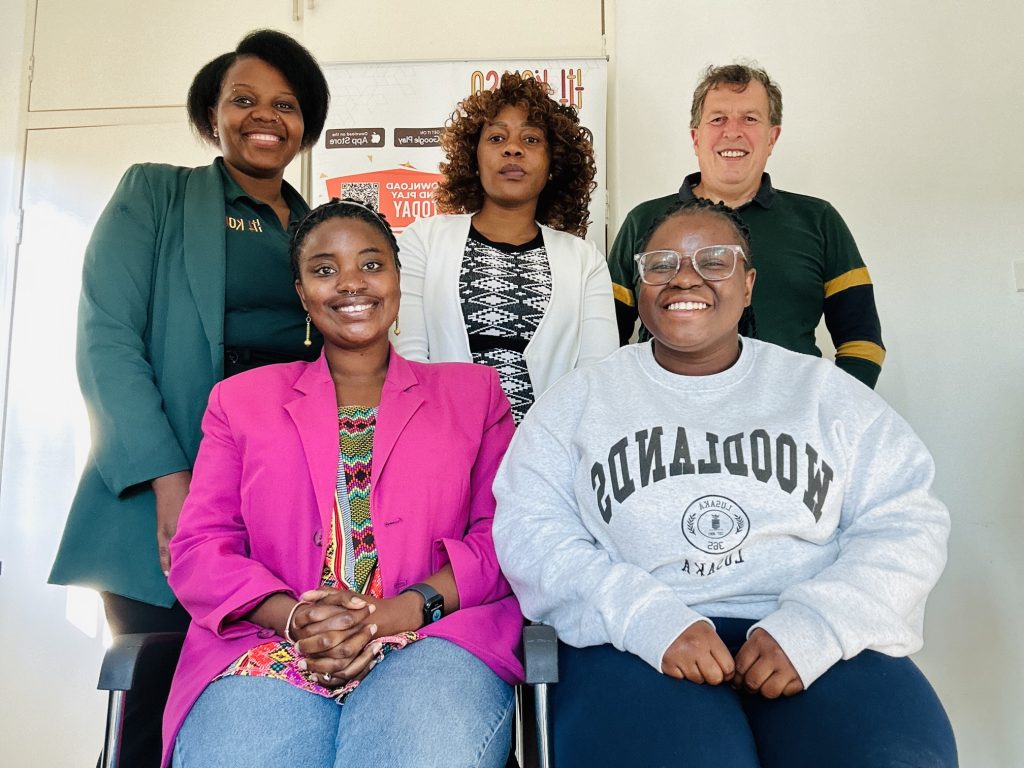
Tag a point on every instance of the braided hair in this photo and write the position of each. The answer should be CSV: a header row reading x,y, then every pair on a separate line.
x,y
699,206
338,208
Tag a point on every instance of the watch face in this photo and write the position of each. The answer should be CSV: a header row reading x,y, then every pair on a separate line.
x,y
433,602
433,608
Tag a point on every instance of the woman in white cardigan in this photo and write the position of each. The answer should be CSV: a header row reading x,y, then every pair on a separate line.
x,y
505,278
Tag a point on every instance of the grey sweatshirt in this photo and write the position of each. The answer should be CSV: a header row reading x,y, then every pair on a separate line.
x,y
634,502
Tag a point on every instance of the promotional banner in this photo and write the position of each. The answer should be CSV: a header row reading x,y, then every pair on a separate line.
x,y
381,142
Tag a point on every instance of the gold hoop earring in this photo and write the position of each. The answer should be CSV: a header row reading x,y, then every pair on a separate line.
x,y
307,342
398,331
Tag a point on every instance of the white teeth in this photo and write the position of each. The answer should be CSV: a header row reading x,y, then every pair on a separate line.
x,y
264,137
688,305
732,153
353,308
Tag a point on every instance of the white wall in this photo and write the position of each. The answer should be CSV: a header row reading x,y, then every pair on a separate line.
x,y
13,87
907,117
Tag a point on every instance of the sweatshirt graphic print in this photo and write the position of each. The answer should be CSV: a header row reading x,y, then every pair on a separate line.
x,y
634,502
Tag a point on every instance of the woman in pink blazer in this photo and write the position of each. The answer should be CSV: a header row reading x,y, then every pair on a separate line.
x,y
335,547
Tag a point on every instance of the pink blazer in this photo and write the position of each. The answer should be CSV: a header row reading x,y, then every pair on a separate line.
x,y
258,514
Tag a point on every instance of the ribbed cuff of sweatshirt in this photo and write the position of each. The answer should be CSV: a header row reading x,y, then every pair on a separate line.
x,y
808,641
655,624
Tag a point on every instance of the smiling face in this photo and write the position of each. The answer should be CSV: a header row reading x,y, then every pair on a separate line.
x,y
258,119
348,282
733,141
513,158
693,321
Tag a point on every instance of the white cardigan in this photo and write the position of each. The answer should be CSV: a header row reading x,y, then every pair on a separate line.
x,y
578,326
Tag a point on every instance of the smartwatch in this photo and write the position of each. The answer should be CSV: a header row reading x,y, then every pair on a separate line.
x,y
433,602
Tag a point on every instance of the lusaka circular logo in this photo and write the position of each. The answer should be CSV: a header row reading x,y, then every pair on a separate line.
x,y
715,524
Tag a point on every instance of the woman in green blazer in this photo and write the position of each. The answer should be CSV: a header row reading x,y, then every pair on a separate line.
x,y
186,280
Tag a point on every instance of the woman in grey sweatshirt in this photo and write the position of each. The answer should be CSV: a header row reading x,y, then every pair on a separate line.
x,y
734,542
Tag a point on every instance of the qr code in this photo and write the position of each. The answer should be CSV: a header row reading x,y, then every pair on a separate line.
x,y
367,192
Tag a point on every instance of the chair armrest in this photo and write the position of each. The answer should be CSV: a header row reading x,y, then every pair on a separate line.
x,y
540,654
123,659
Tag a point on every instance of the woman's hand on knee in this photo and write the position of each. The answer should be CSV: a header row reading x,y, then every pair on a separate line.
x,y
334,672
401,613
333,626
763,667
341,656
330,611
337,598
698,655
331,631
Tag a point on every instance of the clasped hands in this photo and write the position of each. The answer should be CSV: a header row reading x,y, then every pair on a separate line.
x,y
335,631
761,666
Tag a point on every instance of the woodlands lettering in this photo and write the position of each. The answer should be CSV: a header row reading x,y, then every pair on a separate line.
x,y
756,454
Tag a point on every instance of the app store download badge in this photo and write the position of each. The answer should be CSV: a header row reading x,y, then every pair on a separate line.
x,y
354,138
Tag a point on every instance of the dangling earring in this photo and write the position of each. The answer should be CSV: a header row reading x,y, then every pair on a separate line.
x,y
307,342
398,331
216,133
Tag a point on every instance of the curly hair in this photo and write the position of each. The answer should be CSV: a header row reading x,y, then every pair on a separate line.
x,y
699,206
564,201
338,208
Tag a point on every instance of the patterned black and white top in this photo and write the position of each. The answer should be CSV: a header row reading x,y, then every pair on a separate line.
x,y
505,290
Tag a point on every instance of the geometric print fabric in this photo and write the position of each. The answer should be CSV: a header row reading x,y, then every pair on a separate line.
x,y
505,290
352,554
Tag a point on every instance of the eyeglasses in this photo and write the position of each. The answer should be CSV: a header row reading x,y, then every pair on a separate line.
x,y
712,262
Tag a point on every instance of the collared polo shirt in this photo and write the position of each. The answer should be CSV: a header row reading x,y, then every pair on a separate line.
x,y
262,312
807,266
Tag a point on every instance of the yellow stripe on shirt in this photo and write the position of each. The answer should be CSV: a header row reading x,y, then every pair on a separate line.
x,y
623,295
846,280
866,350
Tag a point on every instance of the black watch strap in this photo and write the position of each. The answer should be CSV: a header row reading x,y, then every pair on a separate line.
x,y
433,602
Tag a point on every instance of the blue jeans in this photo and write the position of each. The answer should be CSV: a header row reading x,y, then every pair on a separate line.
x,y
873,711
429,704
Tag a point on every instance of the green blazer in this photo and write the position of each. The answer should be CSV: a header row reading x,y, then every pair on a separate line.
x,y
150,348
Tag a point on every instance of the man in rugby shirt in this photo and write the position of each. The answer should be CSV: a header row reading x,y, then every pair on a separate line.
x,y
808,263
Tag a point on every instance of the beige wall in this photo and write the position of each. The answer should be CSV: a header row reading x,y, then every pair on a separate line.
x,y
906,116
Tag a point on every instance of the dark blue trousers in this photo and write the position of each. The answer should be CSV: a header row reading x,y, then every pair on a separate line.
x,y
612,709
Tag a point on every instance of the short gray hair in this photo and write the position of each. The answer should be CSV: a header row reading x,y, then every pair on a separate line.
x,y
738,76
